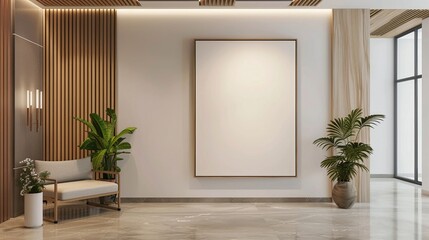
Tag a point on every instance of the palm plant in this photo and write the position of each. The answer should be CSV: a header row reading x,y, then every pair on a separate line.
x,y
104,145
342,138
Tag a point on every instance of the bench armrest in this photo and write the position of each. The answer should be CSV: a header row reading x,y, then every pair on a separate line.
x,y
55,188
52,180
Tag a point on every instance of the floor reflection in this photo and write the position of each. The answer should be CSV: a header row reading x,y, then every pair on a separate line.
x,y
73,210
397,211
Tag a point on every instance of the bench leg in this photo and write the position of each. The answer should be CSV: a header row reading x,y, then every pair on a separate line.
x,y
119,201
54,219
55,212
56,204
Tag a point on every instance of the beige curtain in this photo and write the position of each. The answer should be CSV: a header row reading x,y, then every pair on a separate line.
x,y
350,74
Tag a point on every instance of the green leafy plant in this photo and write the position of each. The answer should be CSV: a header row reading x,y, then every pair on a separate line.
x,y
342,138
29,180
104,145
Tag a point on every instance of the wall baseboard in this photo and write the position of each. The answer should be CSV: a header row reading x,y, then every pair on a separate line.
x,y
223,200
381,175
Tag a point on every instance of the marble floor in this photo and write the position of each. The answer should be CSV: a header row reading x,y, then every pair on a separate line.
x,y
397,211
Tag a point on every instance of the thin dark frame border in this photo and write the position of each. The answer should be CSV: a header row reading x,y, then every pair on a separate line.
x,y
296,105
415,78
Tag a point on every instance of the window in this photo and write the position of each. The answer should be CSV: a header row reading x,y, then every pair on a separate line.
x,y
408,105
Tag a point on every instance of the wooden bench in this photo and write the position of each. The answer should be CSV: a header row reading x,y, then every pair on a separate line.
x,y
74,180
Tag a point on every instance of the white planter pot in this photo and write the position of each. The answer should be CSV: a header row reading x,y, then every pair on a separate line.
x,y
33,210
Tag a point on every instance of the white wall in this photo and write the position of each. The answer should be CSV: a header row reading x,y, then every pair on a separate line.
x,y
156,94
382,102
425,105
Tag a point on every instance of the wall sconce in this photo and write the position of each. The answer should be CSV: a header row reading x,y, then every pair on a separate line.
x,y
39,106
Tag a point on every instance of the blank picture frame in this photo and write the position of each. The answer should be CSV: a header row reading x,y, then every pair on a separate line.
x,y
245,109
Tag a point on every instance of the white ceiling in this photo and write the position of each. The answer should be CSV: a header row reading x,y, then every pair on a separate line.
x,y
376,4
265,4
325,4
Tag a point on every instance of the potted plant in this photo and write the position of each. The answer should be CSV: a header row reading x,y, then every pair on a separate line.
x,y
32,185
104,145
349,153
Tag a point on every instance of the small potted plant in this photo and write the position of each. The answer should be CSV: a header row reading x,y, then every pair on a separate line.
x,y
32,184
349,153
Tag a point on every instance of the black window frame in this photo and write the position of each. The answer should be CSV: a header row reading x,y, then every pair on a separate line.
x,y
416,77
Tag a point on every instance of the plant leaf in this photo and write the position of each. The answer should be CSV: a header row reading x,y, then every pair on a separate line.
x,y
128,130
99,125
89,144
371,120
123,146
111,113
325,142
97,159
91,127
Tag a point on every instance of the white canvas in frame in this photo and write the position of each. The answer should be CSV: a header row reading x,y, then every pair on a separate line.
x,y
245,108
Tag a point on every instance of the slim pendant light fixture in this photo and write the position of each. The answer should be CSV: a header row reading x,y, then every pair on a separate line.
x,y
39,105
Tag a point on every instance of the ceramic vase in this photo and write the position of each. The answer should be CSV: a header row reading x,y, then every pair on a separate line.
x,y
344,194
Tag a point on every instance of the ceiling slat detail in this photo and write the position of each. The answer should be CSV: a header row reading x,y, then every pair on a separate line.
x,y
216,2
374,12
389,23
382,18
88,3
305,2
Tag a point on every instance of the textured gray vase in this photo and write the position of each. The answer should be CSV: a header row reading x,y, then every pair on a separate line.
x,y
344,194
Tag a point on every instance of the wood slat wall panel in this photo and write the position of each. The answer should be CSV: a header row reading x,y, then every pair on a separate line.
x,y
80,75
305,2
88,3
6,112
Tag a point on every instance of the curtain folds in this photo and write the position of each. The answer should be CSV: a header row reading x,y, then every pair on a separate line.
x,y
351,75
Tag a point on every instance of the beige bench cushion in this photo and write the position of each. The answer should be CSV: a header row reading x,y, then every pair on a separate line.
x,y
66,171
80,189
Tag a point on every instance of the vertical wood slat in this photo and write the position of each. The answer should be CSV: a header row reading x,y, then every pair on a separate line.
x,y
6,111
80,67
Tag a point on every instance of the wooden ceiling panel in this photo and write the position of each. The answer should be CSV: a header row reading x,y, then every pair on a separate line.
x,y
88,3
216,2
382,18
305,3
403,28
389,23
374,12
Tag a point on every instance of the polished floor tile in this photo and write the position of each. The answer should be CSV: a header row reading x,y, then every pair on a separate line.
x,y
397,211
